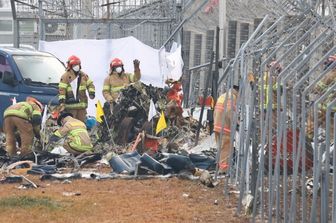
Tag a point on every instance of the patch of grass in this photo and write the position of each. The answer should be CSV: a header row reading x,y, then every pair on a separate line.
x,y
28,202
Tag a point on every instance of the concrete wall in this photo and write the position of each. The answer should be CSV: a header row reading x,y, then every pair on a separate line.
x,y
6,35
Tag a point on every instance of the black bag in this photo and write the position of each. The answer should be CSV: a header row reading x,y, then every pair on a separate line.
x,y
154,165
203,161
180,163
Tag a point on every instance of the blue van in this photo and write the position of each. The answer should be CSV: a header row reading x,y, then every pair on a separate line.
x,y
25,72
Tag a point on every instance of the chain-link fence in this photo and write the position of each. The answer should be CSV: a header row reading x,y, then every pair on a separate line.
x,y
283,157
149,21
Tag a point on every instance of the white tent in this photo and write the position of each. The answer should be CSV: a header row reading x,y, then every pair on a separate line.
x,y
156,65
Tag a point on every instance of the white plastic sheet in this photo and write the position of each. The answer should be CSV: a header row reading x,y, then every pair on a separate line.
x,y
156,65
171,62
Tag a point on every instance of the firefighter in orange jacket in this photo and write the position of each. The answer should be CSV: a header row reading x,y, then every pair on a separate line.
x,y
77,138
118,79
72,89
174,98
24,117
230,99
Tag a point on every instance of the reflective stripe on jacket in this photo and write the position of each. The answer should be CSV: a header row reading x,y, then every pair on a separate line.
x,y
114,83
23,110
76,133
219,112
66,92
266,89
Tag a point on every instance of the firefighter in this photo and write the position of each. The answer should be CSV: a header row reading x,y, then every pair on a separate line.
x,y
174,98
276,69
321,87
118,80
329,79
72,89
77,138
24,117
230,98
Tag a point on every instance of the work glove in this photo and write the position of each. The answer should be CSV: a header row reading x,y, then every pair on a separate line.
x,y
61,101
36,120
71,101
107,106
136,64
92,95
38,136
54,138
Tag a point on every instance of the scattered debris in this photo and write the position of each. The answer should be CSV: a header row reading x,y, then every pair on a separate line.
x,y
248,203
67,182
42,169
11,179
61,177
20,167
70,194
25,186
207,179
185,195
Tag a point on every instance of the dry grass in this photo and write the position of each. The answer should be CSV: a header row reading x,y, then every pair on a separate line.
x,y
118,201
28,202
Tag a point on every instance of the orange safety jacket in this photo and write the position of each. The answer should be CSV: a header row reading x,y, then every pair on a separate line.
x,y
219,110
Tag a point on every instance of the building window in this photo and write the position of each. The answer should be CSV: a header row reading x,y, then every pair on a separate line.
x,y
244,33
27,27
197,49
6,26
210,36
186,48
232,39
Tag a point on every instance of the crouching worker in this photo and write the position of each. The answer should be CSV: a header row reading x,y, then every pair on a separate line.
x,y
77,138
24,117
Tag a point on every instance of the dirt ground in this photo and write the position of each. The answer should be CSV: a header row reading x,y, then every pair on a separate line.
x,y
154,200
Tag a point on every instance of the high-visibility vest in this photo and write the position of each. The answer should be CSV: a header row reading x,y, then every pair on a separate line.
x,y
22,110
116,89
66,91
76,142
77,131
219,112
266,89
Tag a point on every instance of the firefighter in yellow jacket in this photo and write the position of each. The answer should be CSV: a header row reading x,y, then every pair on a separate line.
x,y
230,99
118,79
77,138
72,89
24,117
270,78
321,87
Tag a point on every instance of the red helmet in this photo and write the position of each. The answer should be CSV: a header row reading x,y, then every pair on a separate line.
x,y
35,101
73,60
116,62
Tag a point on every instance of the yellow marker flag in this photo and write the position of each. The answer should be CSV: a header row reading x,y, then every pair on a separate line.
x,y
99,112
161,125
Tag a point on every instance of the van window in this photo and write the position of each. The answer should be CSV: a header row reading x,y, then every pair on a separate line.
x,y
4,66
45,69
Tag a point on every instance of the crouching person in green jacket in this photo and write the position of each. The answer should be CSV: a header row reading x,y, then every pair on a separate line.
x,y
77,138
